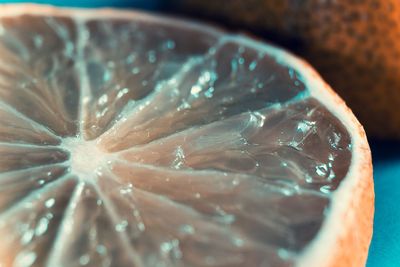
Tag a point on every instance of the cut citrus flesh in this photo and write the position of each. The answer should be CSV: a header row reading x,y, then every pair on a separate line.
x,y
128,139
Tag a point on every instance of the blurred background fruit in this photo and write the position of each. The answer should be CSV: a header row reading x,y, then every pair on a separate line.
x,y
354,44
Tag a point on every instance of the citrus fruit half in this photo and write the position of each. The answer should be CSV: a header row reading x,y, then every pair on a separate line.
x,y
128,139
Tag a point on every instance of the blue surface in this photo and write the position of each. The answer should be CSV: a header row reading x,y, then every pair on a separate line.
x,y
385,246
147,4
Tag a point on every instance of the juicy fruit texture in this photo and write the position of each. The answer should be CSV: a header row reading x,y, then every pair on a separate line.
x,y
353,44
123,144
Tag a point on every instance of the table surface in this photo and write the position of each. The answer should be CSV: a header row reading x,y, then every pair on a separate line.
x,y
385,246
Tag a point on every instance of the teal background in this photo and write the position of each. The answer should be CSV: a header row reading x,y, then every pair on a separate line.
x,y
147,4
385,246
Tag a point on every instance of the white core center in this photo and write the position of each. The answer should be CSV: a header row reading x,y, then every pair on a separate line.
x,y
86,157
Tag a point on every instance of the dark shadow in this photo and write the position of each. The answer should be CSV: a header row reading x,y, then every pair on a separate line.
x,y
292,43
384,150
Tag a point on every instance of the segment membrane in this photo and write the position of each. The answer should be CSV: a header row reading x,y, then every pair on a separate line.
x,y
38,66
123,61
16,185
293,143
168,232
18,128
89,238
230,79
29,230
17,157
